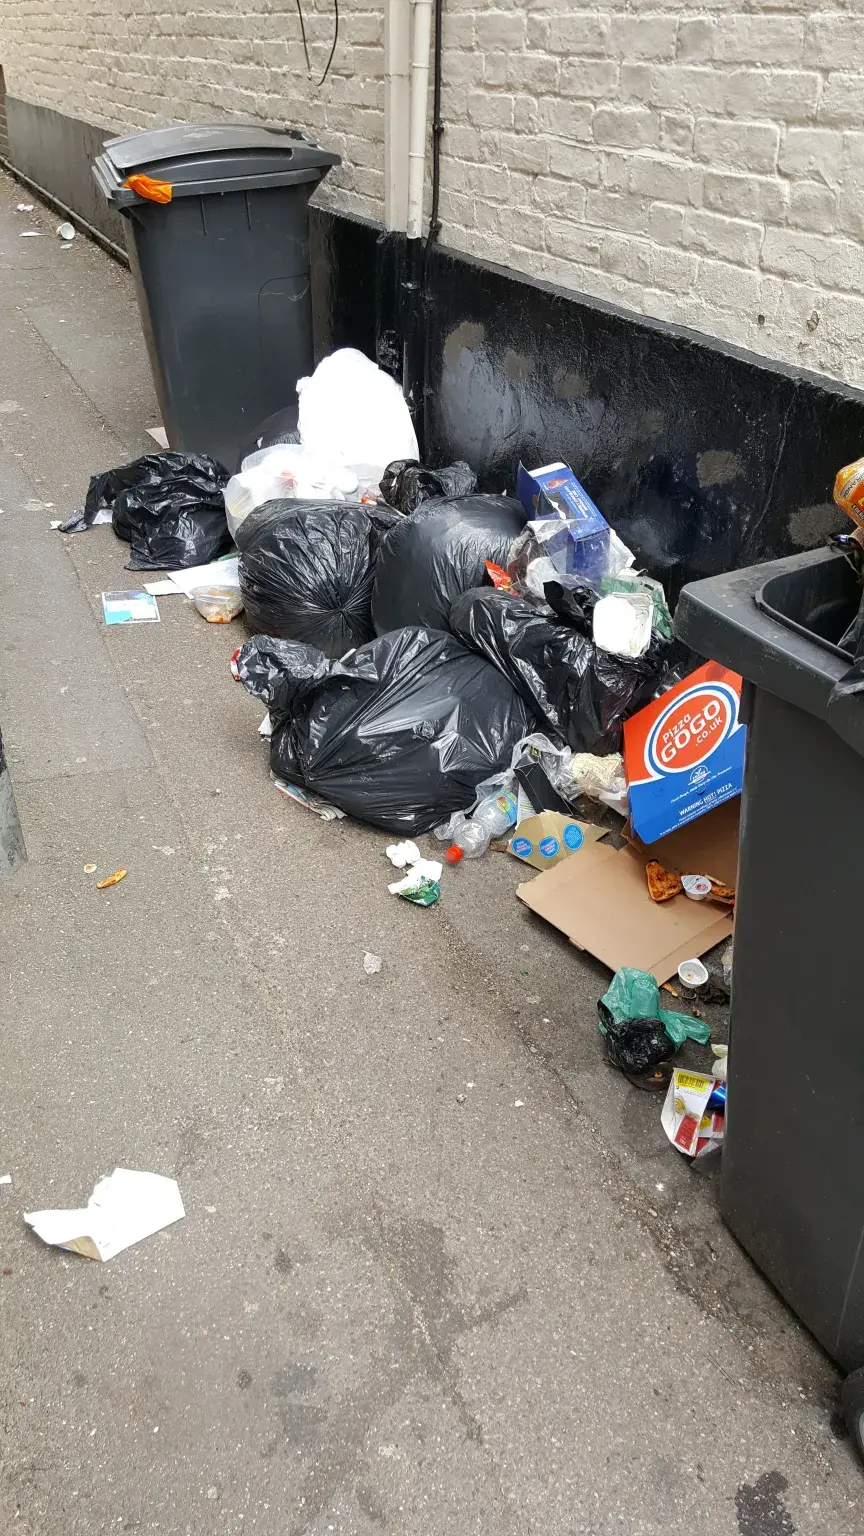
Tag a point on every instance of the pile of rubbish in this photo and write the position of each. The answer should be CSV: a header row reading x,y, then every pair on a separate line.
x,y
434,658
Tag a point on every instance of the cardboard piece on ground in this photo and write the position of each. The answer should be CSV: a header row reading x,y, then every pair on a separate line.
x,y
601,902
549,837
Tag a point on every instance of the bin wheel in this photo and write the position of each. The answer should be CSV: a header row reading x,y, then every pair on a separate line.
x,y
852,1399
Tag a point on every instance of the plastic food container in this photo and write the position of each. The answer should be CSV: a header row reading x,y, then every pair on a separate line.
x,y
692,973
218,605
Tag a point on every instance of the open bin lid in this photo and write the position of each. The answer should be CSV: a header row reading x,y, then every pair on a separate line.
x,y
727,619
199,158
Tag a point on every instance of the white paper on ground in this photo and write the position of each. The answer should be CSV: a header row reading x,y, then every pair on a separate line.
x,y
159,436
219,573
125,1207
424,869
161,588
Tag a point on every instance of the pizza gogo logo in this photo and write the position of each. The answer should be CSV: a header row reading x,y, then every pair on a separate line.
x,y
691,728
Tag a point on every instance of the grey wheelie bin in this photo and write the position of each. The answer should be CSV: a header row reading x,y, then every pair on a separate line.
x,y
791,1187
222,271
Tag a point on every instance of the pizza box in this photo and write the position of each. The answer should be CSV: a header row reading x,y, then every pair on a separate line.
x,y
600,900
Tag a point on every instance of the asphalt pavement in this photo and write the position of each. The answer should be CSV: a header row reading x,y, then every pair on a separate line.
x,y
440,1273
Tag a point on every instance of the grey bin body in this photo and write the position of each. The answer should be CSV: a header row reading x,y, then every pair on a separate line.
x,y
791,1185
222,272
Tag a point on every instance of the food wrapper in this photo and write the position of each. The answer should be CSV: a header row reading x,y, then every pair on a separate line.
x,y
686,1119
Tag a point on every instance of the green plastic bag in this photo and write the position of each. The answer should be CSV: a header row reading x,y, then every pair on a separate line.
x,y
636,995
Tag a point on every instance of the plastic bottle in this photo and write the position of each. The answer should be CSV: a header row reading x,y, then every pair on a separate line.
x,y
492,818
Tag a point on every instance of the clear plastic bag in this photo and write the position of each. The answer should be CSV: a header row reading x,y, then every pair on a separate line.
x,y
285,471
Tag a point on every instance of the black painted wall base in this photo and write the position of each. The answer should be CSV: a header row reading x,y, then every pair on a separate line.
x,y
702,456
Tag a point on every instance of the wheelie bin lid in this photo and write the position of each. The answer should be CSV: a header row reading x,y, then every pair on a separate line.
x,y
727,619
200,158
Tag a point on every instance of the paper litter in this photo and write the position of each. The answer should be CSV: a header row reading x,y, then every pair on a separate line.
x,y
403,854
124,1208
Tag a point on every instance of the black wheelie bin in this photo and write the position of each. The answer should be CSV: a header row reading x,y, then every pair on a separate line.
x,y
221,270
791,1186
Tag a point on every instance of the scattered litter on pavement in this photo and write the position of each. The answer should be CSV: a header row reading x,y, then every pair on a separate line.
x,y
124,1208
25,207
310,802
546,839
218,605
56,523
371,963
600,900
159,436
403,854
687,1118
89,869
721,1061
663,884
28,234
633,999
130,608
222,573
5,1178
470,836
66,231
693,975
421,885
118,875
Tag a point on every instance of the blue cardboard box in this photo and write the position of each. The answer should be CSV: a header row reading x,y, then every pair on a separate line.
x,y
553,492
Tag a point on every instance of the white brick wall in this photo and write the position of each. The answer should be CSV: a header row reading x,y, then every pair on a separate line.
x,y
699,163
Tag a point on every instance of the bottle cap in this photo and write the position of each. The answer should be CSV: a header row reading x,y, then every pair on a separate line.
x,y
454,854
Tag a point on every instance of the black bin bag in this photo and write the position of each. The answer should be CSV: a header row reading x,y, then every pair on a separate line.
x,y
430,558
399,733
307,568
581,694
169,506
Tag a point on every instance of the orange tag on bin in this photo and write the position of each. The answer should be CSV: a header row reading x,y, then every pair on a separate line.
x,y
154,191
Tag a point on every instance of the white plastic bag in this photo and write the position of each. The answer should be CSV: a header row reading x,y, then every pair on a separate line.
x,y
622,623
285,470
353,412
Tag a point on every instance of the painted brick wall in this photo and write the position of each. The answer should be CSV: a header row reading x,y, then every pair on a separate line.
x,y
130,64
702,164
699,163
